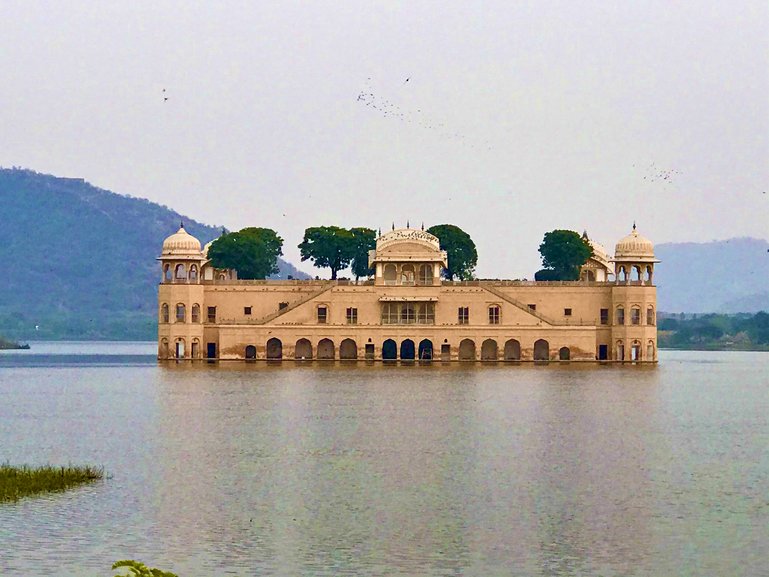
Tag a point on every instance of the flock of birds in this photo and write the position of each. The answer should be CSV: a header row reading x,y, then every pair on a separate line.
x,y
664,175
390,110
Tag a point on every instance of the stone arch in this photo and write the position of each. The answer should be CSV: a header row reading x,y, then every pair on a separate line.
x,y
512,350
274,349
635,273
165,315
408,275
181,313
196,313
619,315
649,274
541,350
250,352
650,350
195,348
193,276
348,350
326,350
622,274
635,351
303,349
221,276
564,354
425,350
389,350
635,315
651,318
167,274
179,346
489,350
180,272
390,273
407,350
467,350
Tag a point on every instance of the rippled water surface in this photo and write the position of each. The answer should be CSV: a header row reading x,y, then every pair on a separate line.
x,y
258,469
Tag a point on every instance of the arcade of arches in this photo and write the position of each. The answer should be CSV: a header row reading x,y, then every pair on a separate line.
x,y
423,350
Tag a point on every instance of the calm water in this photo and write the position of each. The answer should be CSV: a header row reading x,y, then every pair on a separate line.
x,y
369,470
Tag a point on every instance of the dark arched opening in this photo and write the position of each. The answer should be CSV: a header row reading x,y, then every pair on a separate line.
x,y
389,350
489,350
467,350
564,354
326,350
274,349
250,352
303,350
348,350
426,350
541,350
512,350
407,350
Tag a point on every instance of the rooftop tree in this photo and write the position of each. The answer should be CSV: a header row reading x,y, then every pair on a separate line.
x,y
364,240
563,253
328,247
252,251
460,251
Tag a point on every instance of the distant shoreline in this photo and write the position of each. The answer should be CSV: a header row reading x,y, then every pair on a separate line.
x,y
8,345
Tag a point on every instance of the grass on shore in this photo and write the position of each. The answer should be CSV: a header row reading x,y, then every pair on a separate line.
x,y
23,481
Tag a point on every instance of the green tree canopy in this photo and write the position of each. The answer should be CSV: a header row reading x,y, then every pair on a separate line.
x,y
364,240
563,253
253,252
328,247
460,251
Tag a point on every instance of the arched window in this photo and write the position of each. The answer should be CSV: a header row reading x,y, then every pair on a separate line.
x,y
195,349
622,274
494,315
649,274
635,273
635,315
196,313
164,315
167,273
564,354
181,313
620,316
635,351
650,318
426,274
164,349
194,273
390,273
650,351
620,354
221,276
407,275
180,272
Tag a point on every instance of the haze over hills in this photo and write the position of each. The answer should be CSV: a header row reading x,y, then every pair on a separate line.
x,y
80,263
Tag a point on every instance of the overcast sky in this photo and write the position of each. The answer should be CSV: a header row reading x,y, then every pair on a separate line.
x,y
508,119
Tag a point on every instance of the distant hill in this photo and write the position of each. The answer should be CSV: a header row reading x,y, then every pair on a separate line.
x,y
727,276
79,261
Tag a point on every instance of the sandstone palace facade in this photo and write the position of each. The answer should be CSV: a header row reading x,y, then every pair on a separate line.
x,y
407,311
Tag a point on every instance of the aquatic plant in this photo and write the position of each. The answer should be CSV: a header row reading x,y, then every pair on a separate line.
x,y
137,569
17,482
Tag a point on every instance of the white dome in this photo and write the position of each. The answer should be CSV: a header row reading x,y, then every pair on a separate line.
x,y
181,243
634,246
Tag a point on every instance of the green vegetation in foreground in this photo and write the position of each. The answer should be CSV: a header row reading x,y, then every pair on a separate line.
x,y
24,481
137,569
741,332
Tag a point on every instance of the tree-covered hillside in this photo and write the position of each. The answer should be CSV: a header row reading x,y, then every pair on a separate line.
x,y
79,261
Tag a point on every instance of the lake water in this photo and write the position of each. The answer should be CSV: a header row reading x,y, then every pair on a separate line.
x,y
237,469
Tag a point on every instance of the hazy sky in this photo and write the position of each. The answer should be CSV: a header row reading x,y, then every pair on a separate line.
x,y
518,117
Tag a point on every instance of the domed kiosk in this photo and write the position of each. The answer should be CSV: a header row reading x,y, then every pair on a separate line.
x,y
634,259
